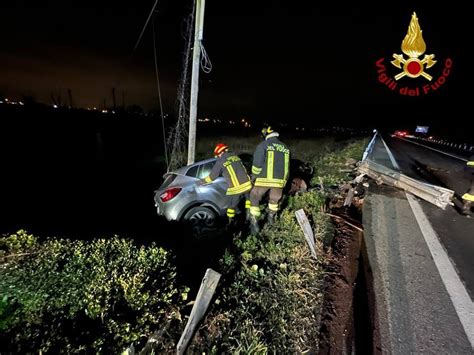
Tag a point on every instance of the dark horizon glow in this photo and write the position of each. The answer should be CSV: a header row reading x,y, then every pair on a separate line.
x,y
310,63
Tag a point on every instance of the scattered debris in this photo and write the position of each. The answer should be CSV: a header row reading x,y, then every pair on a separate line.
x,y
298,185
349,196
307,231
345,221
205,294
351,162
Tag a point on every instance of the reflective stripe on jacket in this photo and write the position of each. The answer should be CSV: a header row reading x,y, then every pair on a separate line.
x,y
231,168
470,163
271,163
468,197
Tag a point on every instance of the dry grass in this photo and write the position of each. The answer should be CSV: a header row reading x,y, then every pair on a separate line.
x,y
302,149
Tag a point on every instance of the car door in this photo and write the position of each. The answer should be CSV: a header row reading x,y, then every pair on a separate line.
x,y
215,192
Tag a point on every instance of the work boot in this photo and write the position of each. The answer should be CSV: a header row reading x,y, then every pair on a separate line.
x,y
271,218
466,209
230,224
254,227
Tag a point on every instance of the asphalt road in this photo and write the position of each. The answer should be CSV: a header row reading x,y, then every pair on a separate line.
x,y
416,309
455,231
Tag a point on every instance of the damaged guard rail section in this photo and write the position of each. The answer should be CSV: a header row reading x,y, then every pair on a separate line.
x,y
436,195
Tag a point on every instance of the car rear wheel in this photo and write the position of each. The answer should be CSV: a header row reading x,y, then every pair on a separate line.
x,y
202,219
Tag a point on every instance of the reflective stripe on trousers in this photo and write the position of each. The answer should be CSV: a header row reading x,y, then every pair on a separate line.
x,y
255,211
230,213
273,207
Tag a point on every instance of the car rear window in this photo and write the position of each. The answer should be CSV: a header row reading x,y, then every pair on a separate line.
x,y
168,180
192,171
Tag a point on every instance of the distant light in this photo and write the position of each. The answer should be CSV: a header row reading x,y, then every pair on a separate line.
x,y
1,102
113,112
55,106
95,108
6,100
104,111
21,103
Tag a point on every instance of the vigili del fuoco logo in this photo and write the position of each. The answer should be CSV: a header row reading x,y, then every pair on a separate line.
x,y
413,66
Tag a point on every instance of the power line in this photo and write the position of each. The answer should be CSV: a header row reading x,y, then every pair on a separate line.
x,y
146,24
159,92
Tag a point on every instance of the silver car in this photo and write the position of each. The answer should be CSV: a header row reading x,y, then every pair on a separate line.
x,y
179,198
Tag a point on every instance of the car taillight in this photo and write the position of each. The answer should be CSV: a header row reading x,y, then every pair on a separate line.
x,y
170,194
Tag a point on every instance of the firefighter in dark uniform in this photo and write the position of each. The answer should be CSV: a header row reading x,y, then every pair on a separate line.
x,y
468,197
270,170
233,170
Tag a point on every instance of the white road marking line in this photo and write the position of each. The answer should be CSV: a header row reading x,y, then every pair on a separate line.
x,y
390,155
457,292
436,150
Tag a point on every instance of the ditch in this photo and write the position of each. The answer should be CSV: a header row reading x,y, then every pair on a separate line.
x,y
349,320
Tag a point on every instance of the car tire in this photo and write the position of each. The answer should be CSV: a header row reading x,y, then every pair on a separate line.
x,y
203,220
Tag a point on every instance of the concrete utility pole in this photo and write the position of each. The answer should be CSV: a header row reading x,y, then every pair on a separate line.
x,y
198,35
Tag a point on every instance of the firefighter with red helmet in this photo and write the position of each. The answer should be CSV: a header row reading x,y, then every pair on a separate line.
x,y
270,171
468,197
230,166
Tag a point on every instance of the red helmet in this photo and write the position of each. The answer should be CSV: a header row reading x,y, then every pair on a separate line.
x,y
220,148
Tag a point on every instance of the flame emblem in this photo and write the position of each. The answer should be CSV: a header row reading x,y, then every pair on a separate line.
x,y
413,46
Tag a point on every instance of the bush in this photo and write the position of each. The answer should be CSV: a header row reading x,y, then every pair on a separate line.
x,y
100,295
19,242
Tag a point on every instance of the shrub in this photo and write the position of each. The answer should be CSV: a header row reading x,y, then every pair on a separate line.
x,y
19,242
99,295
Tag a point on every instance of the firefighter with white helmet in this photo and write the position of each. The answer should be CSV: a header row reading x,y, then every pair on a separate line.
x,y
270,171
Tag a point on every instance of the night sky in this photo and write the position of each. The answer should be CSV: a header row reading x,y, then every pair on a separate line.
x,y
285,60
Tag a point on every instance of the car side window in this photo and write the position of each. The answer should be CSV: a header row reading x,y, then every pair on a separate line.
x,y
192,171
205,170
